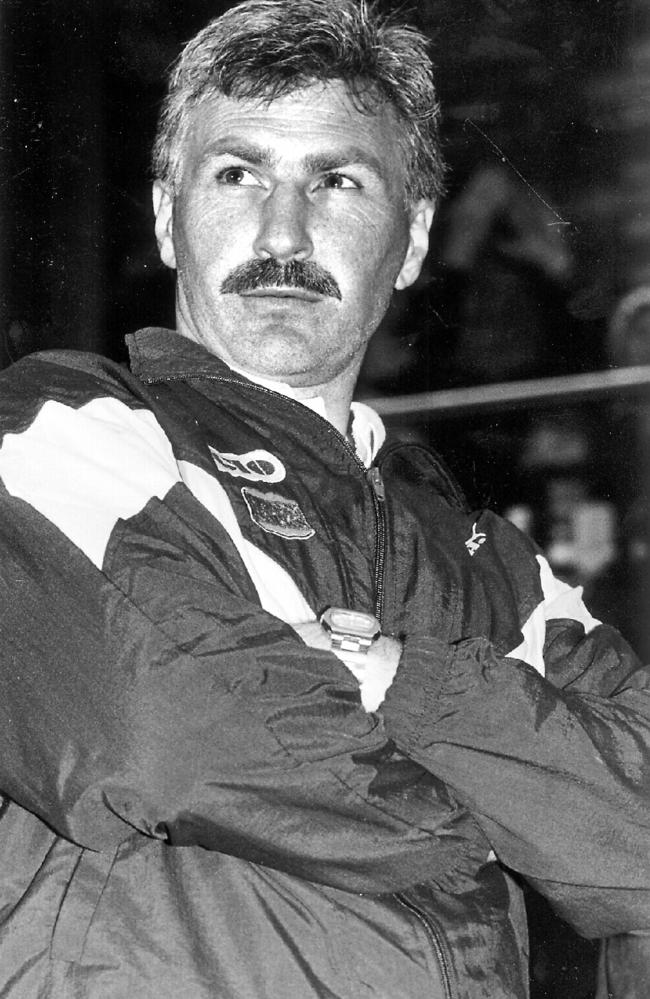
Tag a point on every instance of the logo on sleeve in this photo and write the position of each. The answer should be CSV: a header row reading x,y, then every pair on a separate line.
x,y
277,514
256,466
477,539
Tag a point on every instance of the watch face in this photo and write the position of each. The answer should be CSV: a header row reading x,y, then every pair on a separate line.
x,y
352,622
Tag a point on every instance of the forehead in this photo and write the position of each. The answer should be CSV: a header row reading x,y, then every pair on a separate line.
x,y
320,119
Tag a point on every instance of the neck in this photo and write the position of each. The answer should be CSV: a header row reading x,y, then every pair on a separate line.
x,y
335,395
337,401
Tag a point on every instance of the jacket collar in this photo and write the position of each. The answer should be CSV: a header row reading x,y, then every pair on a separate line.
x,y
157,354
161,354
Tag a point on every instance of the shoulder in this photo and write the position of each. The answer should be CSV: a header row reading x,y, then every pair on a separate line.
x,y
73,379
419,466
58,370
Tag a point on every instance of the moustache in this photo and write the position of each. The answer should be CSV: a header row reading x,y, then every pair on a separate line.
x,y
271,273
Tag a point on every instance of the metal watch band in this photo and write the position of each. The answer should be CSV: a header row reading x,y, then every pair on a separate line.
x,y
350,643
350,630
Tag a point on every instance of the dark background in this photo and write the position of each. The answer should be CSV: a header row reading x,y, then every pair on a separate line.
x,y
526,86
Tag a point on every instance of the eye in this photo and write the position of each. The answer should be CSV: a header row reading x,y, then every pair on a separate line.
x,y
235,176
339,182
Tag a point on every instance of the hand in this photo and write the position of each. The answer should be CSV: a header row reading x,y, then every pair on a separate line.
x,y
373,669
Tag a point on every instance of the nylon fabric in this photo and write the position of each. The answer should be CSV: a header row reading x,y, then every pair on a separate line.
x,y
197,804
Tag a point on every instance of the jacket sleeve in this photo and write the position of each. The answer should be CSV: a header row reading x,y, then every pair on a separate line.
x,y
144,689
549,749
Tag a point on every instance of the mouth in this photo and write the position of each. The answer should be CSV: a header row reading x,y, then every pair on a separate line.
x,y
299,294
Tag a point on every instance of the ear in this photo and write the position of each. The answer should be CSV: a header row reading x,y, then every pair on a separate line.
x,y
421,219
163,205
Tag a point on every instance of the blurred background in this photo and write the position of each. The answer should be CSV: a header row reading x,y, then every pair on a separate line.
x,y
521,354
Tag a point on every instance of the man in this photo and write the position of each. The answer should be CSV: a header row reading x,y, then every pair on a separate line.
x,y
219,779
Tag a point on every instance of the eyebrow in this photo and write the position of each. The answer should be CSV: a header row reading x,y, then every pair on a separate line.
x,y
324,162
347,156
239,149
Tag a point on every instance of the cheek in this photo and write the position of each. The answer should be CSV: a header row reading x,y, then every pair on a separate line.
x,y
211,245
377,240
371,266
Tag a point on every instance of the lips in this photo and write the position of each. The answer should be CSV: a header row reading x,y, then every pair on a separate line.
x,y
301,294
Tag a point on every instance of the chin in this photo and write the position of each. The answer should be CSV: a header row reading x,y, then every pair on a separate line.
x,y
280,373
292,355
277,357
297,375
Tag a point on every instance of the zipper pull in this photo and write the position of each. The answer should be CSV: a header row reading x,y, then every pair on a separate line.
x,y
376,483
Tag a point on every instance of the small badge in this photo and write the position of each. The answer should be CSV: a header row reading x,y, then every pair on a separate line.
x,y
256,466
277,514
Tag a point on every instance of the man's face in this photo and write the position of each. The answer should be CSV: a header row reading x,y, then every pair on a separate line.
x,y
306,181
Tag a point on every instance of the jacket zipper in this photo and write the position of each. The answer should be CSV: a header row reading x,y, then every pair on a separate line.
x,y
371,475
434,939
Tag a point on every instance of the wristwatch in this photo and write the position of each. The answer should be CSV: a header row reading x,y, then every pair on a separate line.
x,y
351,631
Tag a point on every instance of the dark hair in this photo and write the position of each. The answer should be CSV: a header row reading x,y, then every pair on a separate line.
x,y
263,49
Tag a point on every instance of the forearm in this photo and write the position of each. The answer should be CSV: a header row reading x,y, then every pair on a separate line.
x,y
202,720
557,778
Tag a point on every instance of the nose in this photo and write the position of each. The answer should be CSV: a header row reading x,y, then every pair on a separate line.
x,y
284,225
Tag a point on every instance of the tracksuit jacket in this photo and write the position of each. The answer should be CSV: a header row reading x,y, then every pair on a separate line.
x,y
197,804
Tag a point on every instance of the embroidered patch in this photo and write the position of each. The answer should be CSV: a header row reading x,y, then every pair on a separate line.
x,y
256,466
477,539
277,514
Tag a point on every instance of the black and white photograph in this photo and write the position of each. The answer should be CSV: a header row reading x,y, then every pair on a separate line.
x,y
325,499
